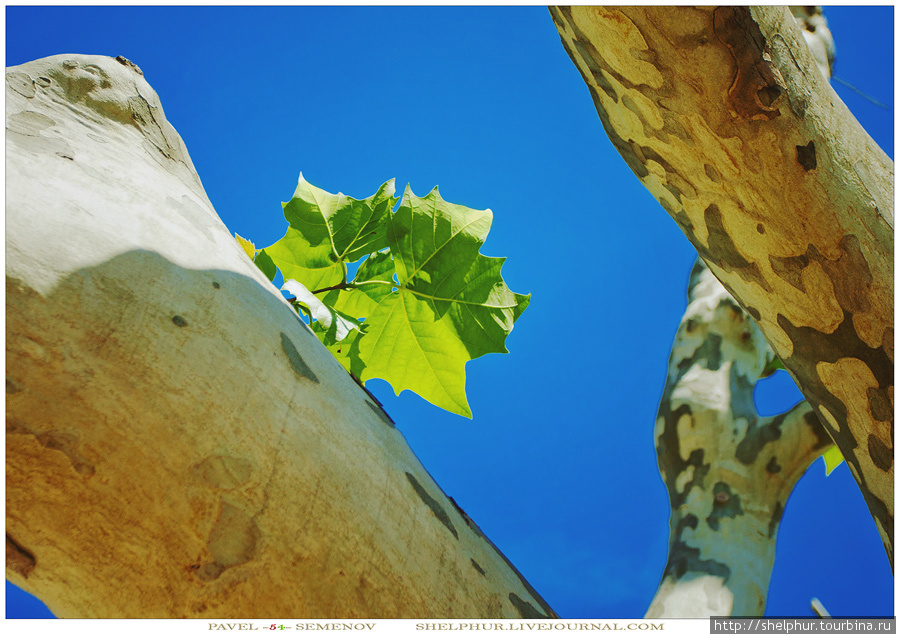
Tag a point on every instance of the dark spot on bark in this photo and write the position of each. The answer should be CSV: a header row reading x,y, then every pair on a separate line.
x,y
590,55
210,571
816,426
806,156
849,274
775,519
525,609
722,250
760,228
684,559
382,415
216,285
597,69
757,437
179,321
477,568
710,351
681,217
789,269
879,404
882,457
768,95
772,466
753,77
19,559
741,404
726,504
432,504
753,312
43,82
12,387
711,172
674,191
296,361
127,62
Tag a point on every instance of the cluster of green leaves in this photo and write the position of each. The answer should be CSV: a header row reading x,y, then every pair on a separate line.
x,y
832,456
423,301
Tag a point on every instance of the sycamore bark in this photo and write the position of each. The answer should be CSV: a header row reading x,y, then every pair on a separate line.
x,y
179,444
723,115
728,470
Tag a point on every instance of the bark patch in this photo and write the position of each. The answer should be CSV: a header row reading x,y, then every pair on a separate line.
x,y
757,437
684,559
18,559
723,251
382,415
880,404
754,89
726,503
806,156
432,504
297,363
525,609
222,472
882,457
232,541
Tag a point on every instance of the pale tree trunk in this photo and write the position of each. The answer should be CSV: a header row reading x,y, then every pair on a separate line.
x,y
723,115
179,444
728,470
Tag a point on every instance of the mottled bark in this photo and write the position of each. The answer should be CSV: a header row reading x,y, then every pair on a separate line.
x,y
178,442
723,115
728,470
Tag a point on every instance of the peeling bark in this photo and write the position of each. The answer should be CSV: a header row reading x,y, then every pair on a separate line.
x,y
728,470
724,117
179,444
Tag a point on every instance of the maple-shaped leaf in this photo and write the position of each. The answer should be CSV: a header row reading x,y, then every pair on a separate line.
x,y
451,303
329,230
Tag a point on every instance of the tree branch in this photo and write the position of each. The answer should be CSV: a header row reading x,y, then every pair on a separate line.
x,y
724,117
728,470
179,444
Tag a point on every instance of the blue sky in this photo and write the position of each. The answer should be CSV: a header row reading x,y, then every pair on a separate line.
x,y
558,465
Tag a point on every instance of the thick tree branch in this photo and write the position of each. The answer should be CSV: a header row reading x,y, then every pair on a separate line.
x,y
723,115
179,444
728,470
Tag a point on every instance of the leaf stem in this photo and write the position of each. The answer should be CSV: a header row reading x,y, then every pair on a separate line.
x,y
350,285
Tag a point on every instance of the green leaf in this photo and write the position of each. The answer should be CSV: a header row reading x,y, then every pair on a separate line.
x,y
329,230
375,277
451,304
832,458
265,264
771,367
335,326
260,258
345,351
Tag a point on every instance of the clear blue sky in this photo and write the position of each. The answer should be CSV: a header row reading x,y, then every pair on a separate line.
x,y
558,466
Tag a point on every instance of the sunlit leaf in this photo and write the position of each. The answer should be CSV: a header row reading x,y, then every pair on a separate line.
x,y
833,459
